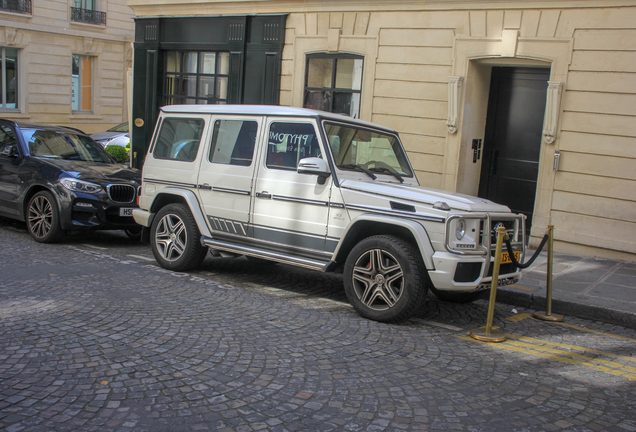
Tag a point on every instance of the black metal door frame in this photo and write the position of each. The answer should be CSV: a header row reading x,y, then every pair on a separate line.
x,y
512,141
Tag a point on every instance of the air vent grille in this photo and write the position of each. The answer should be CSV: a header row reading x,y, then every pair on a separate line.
x,y
402,207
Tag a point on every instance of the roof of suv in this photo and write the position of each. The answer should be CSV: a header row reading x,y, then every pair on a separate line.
x,y
268,110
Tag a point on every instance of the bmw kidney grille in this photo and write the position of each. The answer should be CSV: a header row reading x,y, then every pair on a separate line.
x,y
121,193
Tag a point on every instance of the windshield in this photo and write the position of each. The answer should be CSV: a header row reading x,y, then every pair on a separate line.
x,y
60,145
356,148
121,127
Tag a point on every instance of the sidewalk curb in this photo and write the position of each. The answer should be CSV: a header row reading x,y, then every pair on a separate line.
x,y
563,307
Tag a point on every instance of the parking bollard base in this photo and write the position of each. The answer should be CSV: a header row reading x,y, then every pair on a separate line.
x,y
545,317
493,336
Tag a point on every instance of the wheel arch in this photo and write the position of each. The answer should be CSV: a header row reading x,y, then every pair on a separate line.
x,y
180,196
369,225
29,194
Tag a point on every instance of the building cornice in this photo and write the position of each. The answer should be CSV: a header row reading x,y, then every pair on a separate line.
x,y
253,7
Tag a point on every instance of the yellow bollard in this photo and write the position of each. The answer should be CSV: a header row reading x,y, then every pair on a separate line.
x,y
487,334
547,316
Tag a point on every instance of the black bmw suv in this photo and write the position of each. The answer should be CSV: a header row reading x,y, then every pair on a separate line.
x,y
59,180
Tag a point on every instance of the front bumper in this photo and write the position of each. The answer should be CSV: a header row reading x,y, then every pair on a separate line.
x,y
466,274
82,211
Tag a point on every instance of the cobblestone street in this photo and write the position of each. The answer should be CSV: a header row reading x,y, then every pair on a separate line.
x,y
94,336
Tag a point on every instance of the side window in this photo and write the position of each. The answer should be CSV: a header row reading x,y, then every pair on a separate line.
x,y
290,142
233,142
179,139
8,142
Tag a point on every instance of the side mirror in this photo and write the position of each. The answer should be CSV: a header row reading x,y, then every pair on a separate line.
x,y
9,151
315,166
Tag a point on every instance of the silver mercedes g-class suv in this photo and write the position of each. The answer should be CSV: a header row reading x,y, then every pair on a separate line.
x,y
321,191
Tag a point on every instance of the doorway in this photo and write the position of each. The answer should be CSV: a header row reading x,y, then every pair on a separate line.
x,y
512,140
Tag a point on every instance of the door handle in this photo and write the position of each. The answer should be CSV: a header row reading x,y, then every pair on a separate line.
x,y
263,194
205,186
493,163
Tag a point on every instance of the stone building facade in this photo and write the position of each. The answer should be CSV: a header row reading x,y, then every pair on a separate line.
x,y
529,103
65,62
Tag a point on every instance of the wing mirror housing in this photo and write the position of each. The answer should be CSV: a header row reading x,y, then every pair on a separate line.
x,y
9,151
315,166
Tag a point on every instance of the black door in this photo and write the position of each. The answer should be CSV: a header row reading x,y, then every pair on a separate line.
x,y
513,136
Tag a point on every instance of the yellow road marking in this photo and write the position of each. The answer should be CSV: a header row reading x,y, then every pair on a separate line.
x,y
520,287
574,347
522,345
595,331
519,317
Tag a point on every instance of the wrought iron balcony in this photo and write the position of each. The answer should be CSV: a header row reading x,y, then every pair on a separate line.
x,y
16,6
87,16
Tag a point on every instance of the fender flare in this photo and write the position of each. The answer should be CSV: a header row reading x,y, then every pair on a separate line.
x,y
191,201
417,231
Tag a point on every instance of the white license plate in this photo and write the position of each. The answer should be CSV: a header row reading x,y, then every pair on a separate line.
x,y
125,211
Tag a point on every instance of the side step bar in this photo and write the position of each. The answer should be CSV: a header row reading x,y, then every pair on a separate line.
x,y
261,253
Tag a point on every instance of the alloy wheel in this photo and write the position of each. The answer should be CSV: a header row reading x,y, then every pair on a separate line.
x,y
40,216
171,237
378,279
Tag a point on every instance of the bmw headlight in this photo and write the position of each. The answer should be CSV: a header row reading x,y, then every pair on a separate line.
x,y
80,186
460,229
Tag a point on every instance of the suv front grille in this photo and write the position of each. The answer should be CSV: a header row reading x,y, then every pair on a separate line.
x,y
121,193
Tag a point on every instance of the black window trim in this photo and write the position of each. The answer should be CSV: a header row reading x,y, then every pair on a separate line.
x,y
333,88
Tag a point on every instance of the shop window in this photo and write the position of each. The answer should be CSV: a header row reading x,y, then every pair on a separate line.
x,y
9,85
82,84
195,77
334,83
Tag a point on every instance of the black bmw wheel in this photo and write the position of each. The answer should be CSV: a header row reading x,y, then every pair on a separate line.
x,y
385,279
43,218
133,233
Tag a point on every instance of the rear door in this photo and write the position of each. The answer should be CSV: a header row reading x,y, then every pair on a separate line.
x,y
290,209
176,153
226,173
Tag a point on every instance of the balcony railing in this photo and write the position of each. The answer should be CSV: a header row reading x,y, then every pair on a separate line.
x,y
87,16
17,6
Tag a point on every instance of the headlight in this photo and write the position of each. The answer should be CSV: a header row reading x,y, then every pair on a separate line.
x,y
460,229
80,185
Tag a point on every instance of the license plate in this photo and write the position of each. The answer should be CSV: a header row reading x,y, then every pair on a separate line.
x,y
505,258
125,211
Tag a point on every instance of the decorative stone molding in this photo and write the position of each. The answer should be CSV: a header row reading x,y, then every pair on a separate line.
x,y
85,45
509,43
551,118
12,37
333,39
454,98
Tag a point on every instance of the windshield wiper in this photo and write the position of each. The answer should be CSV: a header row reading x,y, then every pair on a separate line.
x,y
359,168
393,172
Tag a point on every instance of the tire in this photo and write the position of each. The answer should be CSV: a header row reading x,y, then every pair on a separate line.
x,y
133,233
458,297
43,218
385,279
174,239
